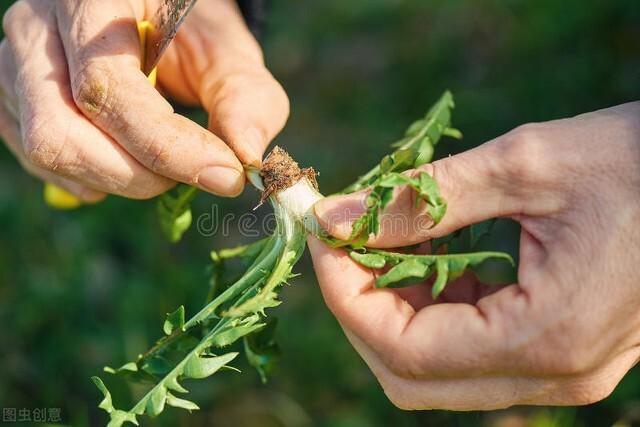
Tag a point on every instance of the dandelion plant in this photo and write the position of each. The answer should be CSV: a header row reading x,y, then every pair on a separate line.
x,y
197,347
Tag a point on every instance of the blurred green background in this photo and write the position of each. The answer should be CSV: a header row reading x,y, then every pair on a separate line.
x,y
82,289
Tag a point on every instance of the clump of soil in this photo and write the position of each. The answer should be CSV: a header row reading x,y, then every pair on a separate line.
x,y
280,171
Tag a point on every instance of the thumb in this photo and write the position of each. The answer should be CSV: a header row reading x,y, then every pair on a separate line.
x,y
475,184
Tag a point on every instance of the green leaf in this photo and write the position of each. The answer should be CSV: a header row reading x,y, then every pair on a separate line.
x,y
106,403
127,367
156,401
429,192
117,417
174,321
262,351
172,383
267,297
409,269
403,159
203,367
442,268
408,272
250,251
369,260
425,152
181,403
392,180
174,211
415,127
452,133
231,335
436,122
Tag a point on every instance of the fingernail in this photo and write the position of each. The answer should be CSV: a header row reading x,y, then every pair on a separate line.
x,y
221,180
337,214
254,141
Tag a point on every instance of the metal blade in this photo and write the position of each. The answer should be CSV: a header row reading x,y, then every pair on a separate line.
x,y
164,25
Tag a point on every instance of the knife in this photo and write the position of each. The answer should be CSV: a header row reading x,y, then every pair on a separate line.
x,y
155,36
162,28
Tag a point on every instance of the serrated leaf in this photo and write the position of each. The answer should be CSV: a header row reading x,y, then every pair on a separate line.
x,y
369,260
231,335
203,367
415,127
106,403
386,195
392,180
432,126
425,152
174,211
409,269
281,272
130,367
442,269
171,382
402,142
117,416
250,251
429,192
386,164
174,321
257,304
452,133
181,403
403,159
156,401
407,272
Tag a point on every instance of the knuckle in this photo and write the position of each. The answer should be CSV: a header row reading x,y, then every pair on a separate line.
x,y
44,145
90,89
523,154
39,150
11,17
159,158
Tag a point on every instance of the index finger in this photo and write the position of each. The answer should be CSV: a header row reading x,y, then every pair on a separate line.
x,y
440,340
102,48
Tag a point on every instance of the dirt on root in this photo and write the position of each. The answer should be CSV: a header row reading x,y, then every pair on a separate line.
x,y
280,171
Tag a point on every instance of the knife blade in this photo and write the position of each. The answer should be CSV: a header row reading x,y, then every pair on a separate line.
x,y
163,27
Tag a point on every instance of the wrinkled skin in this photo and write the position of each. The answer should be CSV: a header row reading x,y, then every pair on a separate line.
x,y
76,110
568,330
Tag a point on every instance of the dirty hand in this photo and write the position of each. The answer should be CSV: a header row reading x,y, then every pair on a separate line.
x,y
76,110
567,332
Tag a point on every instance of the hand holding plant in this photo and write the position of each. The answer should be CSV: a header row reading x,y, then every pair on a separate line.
x,y
566,333
197,347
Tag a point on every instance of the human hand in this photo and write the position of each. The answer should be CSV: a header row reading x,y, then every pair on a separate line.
x,y
567,332
76,110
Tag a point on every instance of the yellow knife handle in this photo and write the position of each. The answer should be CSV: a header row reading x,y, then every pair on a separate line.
x,y
59,198
143,29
